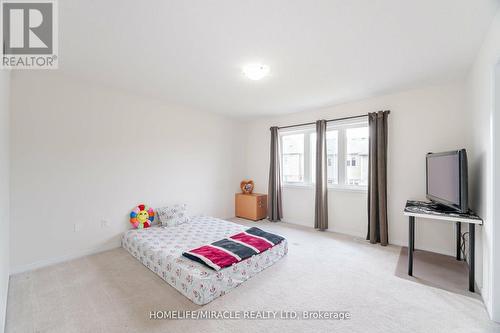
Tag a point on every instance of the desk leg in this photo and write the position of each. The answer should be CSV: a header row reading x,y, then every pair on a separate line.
x,y
413,237
459,240
472,244
411,243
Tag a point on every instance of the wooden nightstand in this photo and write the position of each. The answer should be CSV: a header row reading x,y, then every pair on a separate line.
x,y
251,206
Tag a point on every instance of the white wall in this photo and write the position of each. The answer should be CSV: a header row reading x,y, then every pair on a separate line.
x,y
421,120
82,152
4,192
480,108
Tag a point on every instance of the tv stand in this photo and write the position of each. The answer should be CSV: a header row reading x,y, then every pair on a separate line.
x,y
430,210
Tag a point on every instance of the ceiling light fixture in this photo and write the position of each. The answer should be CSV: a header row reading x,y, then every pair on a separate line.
x,y
255,71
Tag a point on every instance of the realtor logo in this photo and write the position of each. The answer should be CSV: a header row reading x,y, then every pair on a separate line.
x,y
29,34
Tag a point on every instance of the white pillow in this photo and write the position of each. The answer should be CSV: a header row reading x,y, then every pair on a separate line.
x,y
171,216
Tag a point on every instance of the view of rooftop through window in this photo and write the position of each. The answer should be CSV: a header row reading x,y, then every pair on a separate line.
x,y
332,150
293,158
347,155
357,156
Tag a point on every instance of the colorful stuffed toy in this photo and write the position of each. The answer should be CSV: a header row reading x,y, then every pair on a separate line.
x,y
142,216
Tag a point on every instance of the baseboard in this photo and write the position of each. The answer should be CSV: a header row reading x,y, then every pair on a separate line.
x,y
446,252
356,233
348,232
53,261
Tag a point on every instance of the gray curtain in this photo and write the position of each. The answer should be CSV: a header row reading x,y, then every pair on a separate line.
x,y
274,192
321,198
377,178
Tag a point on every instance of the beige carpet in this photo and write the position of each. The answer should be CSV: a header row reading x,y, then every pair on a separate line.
x,y
113,292
436,270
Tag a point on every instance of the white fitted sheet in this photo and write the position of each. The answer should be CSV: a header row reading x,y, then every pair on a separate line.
x,y
160,249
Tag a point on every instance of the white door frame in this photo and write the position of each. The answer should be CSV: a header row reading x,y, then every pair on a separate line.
x,y
495,189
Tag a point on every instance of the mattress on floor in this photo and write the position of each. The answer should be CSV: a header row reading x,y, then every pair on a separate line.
x,y
160,249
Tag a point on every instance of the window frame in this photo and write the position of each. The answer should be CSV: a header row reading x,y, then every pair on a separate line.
x,y
307,131
341,127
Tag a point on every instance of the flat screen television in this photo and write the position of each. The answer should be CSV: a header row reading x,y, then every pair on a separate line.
x,y
447,179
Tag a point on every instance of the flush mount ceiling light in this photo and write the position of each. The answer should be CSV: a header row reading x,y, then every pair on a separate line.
x,y
255,71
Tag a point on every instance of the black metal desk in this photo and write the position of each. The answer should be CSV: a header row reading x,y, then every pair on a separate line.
x,y
428,210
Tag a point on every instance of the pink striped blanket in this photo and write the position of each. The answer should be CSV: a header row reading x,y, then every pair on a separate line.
x,y
233,249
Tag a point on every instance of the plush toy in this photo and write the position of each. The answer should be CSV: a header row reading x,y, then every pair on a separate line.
x,y
247,186
142,216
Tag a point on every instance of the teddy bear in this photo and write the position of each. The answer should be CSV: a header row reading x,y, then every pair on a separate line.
x,y
247,186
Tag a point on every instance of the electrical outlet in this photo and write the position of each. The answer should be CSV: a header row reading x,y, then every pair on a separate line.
x,y
77,227
104,223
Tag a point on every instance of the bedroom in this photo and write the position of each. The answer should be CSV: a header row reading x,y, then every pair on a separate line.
x,y
171,103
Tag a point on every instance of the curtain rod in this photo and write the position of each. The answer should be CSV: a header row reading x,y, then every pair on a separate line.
x,y
313,122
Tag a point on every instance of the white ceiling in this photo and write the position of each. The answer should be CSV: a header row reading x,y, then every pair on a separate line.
x,y
190,53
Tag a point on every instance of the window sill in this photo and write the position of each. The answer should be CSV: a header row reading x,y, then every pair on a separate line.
x,y
348,188
339,188
301,186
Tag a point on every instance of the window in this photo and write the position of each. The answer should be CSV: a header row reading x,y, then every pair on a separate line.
x,y
293,158
331,159
347,155
357,153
